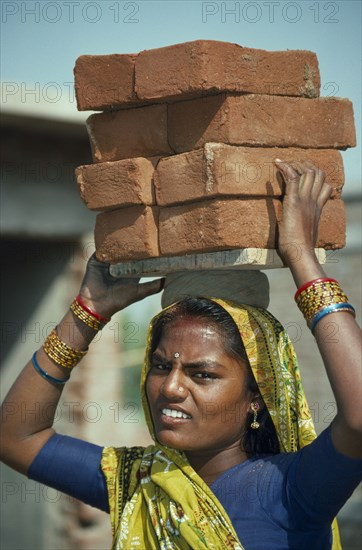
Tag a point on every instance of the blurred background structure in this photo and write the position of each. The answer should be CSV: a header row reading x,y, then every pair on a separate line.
x,y
47,231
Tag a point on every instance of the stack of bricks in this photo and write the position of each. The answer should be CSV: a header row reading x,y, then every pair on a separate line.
x,y
183,152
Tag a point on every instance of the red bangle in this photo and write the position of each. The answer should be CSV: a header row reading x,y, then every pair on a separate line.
x,y
310,283
101,319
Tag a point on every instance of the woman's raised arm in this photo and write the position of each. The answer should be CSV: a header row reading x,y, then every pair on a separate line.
x,y
306,195
39,386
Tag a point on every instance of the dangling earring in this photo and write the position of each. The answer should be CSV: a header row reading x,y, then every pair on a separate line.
x,y
255,424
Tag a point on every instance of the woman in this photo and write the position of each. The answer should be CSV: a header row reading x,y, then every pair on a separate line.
x,y
235,463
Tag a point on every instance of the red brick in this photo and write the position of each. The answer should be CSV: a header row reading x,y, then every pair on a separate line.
x,y
104,81
261,120
332,225
139,132
110,185
127,234
189,70
209,66
219,170
233,223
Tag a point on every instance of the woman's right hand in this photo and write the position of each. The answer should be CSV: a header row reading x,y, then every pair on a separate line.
x,y
23,437
106,294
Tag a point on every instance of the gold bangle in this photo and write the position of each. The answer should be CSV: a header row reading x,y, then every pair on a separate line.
x,y
318,296
85,317
60,352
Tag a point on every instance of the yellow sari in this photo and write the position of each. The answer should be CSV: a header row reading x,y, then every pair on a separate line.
x,y
157,500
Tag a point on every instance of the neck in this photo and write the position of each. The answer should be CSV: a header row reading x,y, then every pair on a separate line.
x,y
209,465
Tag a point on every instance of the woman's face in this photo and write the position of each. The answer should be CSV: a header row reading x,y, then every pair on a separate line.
x,y
197,392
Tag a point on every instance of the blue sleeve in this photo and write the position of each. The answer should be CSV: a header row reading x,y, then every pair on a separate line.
x,y
72,466
321,479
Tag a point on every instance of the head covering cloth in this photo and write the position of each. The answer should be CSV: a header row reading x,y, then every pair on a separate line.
x,y
156,498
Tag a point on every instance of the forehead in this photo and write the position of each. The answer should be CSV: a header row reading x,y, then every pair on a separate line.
x,y
192,334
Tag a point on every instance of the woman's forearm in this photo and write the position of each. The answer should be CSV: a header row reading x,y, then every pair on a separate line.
x,y
306,195
29,408
338,337
28,411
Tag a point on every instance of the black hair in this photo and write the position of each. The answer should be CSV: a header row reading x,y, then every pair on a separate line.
x,y
255,441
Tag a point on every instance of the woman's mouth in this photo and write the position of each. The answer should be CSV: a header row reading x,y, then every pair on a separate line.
x,y
172,413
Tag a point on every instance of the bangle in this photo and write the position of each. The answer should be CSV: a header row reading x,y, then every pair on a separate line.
x,y
85,317
334,308
103,320
314,282
60,353
46,375
317,295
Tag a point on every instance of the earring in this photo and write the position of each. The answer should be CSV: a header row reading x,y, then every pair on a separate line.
x,y
255,424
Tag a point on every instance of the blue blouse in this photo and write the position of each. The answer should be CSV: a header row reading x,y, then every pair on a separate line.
x,y
275,502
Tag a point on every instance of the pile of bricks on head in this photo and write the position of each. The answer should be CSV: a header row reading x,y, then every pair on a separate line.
x,y
183,152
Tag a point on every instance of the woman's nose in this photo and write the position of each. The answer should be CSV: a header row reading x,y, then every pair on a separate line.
x,y
173,387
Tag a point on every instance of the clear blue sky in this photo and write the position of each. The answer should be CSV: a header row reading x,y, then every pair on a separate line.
x,y
41,40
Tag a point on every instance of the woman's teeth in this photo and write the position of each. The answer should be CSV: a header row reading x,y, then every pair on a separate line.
x,y
175,414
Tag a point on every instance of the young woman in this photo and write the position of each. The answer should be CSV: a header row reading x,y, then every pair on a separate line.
x,y
235,463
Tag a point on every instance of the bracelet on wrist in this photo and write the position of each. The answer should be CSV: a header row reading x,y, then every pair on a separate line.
x,y
46,375
87,315
320,297
60,352
334,308
103,320
313,283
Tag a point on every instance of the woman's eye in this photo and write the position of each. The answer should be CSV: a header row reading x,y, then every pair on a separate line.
x,y
204,376
159,366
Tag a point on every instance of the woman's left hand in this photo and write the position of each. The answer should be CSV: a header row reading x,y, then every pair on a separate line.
x,y
305,196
